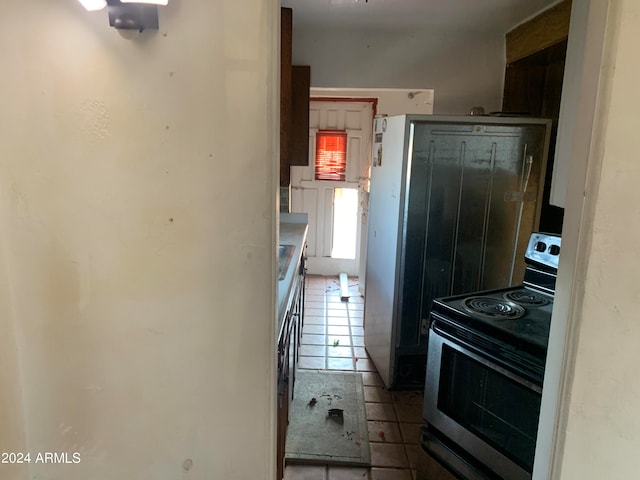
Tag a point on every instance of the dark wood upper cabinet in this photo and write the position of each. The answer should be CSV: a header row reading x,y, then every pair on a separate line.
x,y
536,52
286,84
301,76
295,82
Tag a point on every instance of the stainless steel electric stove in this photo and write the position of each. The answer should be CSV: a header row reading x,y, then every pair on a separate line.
x,y
485,369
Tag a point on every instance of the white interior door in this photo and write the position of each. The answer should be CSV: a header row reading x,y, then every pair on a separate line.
x,y
335,207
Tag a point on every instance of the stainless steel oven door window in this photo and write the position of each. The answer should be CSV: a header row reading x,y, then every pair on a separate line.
x,y
484,408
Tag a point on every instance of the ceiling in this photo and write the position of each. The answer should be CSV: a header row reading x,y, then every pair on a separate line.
x,y
501,15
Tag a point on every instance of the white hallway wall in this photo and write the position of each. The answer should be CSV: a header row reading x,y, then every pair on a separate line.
x,y
466,69
603,419
125,331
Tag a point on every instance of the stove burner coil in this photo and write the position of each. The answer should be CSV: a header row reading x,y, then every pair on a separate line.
x,y
493,308
528,299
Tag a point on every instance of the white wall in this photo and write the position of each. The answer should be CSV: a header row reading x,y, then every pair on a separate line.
x,y
390,101
600,423
137,227
585,83
466,69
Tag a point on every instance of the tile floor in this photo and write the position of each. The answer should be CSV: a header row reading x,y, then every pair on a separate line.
x,y
333,339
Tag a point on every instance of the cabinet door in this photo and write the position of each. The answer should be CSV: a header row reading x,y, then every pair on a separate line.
x,y
533,86
286,24
301,84
283,394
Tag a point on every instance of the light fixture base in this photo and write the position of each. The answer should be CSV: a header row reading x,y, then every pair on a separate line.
x,y
132,16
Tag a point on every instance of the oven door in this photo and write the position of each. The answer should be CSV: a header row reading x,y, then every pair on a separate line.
x,y
487,410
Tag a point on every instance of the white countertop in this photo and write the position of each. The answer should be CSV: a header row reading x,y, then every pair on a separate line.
x,y
293,231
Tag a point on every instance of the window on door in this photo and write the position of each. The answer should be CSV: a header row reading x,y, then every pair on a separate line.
x,y
331,155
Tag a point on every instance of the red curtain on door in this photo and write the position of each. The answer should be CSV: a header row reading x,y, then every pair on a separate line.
x,y
331,155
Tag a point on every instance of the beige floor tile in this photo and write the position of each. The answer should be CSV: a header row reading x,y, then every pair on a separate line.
x,y
372,379
311,339
311,363
409,397
313,296
318,290
359,331
312,320
408,413
412,454
388,455
376,394
314,283
336,304
340,364
410,432
338,340
314,277
390,474
309,305
380,411
314,329
338,321
339,351
393,445
360,352
313,350
348,473
335,299
366,365
338,330
305,472
384,432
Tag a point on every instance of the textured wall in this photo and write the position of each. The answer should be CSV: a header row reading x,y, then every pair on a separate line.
x,y
127,255
603,427
465,68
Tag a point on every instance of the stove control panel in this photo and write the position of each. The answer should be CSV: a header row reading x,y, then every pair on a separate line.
x,y
544,249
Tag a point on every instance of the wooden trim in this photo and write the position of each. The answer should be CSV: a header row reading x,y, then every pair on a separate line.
x,y
545,30
372,100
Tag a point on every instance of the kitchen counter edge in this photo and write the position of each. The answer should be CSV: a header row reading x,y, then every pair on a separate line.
x,y
293,231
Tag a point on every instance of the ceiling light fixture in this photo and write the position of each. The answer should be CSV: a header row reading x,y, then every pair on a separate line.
x,y
129,17
93,5
152,2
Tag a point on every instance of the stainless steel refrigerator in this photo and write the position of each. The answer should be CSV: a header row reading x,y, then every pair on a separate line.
x,y
452,203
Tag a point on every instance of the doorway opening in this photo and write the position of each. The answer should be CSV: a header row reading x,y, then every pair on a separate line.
x,y
331,188
345,222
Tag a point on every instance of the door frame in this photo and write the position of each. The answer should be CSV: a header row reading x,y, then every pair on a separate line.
x,y
329,265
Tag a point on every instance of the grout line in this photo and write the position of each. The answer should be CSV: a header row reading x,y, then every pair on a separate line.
x,y
329,292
